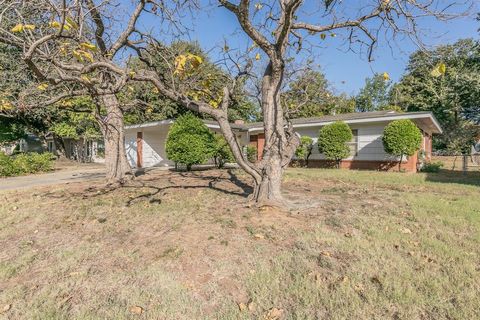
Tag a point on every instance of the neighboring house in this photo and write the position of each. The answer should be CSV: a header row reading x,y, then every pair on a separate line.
x,y
30,143
78,149
145,143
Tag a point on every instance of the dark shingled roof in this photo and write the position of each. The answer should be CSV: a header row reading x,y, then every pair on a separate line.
x,y
340,117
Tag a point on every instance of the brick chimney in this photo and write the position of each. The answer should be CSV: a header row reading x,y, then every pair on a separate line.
x,y
239,121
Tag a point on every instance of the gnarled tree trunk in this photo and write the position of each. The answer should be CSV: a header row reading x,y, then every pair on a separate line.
x,y
117,167
280,142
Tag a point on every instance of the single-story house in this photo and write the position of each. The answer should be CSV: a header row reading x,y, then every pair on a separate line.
x,y
145,143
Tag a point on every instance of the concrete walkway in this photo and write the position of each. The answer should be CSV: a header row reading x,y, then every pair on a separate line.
x,y
66,175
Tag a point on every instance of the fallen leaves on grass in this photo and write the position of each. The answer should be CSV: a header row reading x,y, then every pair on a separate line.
x,y
326,253
250,306
6,308
273,314
136,309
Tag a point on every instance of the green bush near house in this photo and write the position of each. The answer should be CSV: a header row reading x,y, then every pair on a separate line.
x,y
304,150
6,165
222,153
333,139
401,138
25,163
432,167
189,141
252,155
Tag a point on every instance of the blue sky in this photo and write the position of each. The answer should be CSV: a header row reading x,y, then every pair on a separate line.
x,y
346,71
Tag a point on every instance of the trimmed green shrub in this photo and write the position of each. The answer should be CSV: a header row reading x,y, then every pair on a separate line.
x,y
333,139
401,138
432,167
222,153
189,141
25,163
252,153
304,150
6,166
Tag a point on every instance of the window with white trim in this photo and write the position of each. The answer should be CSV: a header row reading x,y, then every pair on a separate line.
x,y
353,144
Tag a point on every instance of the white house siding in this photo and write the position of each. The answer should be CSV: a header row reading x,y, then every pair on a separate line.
x,y
370,146
154,154
131,147
153,146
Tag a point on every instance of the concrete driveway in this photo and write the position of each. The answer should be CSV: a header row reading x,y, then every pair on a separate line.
x,y
64,175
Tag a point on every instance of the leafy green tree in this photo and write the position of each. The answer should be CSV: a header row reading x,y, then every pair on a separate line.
x,y
445,81
333,139
304,150
401,138
189,141
310,96
10,130
374,95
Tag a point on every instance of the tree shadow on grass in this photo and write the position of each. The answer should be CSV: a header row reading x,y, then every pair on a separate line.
x,y
154,196
458,177
226,182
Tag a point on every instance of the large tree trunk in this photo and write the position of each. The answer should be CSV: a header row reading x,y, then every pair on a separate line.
x,y
59,147
117,167
268,188
280,142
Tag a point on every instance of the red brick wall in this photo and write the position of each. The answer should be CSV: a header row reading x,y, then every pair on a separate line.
x,y
258,141
409,166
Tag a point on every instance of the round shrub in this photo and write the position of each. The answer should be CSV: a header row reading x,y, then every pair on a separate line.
x,y
189,141
333,139
401,138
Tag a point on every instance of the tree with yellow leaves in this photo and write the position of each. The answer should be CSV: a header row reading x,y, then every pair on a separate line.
x,y
70,52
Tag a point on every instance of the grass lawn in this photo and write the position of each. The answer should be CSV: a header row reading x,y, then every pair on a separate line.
x,y
356,245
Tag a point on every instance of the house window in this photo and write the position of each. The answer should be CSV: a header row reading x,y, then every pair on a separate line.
x,y
353,144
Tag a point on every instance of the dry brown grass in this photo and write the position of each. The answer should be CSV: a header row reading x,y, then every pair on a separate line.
x,y
188,246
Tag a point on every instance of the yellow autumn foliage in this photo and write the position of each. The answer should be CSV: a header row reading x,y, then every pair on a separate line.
x,y
22,27
439,70
57,25
5,105
42,86
88,46
86,78
82,55
186,63
71,23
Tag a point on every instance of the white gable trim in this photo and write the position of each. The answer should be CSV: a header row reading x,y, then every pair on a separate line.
x,y
367,120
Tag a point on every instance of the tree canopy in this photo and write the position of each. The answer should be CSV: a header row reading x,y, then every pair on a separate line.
x,y
309,95
445,81
374,95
